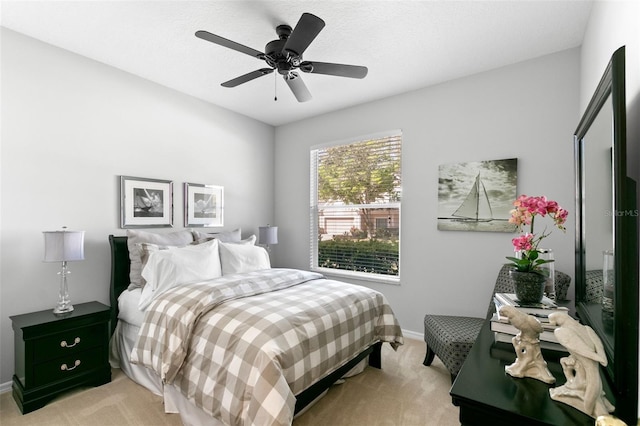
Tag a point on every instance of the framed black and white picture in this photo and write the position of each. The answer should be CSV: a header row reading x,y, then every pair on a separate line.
x,y
145,203
203,205
477,196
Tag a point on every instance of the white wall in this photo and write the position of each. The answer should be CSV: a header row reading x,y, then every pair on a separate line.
x,y
70,127
528,111
613,24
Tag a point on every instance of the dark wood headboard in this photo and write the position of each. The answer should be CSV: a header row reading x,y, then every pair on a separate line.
x,y
119,273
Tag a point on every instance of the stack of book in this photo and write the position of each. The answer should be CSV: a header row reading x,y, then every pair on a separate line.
x,y
504,331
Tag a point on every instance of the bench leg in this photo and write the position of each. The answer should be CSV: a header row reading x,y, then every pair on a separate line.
x,y
428,358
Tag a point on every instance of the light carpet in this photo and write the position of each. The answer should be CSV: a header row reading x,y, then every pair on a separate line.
x,y
403,393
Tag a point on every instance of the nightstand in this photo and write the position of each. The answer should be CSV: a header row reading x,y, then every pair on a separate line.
x,y
55,353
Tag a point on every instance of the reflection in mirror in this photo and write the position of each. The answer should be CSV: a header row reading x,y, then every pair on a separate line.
x,y
597,157
598,183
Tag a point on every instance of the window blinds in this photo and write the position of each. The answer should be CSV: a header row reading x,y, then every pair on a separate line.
x,y
356,190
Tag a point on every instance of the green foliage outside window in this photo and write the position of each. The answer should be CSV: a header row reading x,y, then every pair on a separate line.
x,y
372,256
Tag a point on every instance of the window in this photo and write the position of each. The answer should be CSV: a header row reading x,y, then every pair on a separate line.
x,y
355,207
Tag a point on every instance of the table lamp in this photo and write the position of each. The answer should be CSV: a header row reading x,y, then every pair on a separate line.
x,y
63,246
268,235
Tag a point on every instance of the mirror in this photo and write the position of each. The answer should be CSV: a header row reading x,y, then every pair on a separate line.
x,y
606,222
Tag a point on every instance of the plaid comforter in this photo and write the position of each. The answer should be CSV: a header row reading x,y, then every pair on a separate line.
x,y
241,346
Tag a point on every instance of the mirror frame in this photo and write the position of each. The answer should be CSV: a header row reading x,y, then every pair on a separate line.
x,y
621,343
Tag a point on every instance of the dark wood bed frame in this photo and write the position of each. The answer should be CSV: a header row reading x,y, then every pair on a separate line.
x,y
120,282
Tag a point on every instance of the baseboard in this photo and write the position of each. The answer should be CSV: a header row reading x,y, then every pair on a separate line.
x,y
5,387
412,335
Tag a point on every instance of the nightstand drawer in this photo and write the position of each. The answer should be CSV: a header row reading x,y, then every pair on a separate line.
x,y
68,342
68,366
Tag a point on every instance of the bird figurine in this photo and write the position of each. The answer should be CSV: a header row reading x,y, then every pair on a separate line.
x,y
583,389
609,421
529,361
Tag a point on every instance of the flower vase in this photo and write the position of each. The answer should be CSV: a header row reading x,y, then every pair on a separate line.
x,y
608,290
529,286
548,269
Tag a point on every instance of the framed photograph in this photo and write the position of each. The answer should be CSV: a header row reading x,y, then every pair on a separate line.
x,y
477,196
203,205
145,203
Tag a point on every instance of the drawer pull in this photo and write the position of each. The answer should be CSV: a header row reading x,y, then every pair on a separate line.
x,y
64,367
64,343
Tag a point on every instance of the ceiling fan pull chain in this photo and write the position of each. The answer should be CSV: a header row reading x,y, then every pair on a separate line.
x,y
275,87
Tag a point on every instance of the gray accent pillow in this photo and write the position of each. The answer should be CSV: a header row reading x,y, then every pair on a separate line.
x,y
225,236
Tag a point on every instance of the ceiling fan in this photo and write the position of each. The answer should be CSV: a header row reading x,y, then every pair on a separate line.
x,y
285,56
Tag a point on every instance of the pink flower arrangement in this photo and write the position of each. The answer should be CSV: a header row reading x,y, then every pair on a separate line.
x,y
525,212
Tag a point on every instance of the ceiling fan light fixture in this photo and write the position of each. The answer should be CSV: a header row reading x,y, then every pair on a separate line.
x,y
291,75
297,86
306,67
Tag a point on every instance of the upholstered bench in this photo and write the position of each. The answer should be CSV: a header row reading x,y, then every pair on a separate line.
x,y
594,286
451,337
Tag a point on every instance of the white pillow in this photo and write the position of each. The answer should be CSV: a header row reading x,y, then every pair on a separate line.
x,y
169,268
145,250
135,237
236,258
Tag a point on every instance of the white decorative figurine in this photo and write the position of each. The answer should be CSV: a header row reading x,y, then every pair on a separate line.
x,y
583,389
609,421
529,361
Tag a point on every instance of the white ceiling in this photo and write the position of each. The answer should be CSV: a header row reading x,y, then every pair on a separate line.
x,y
405,44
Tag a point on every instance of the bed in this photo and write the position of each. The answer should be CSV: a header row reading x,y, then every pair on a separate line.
x,y
281,382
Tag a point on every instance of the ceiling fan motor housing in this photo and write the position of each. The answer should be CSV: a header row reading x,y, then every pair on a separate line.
x,y
283,31
279,58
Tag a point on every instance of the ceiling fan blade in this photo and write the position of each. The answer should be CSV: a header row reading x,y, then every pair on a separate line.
x,y
340,70
205,35
306,30
247,77
298,87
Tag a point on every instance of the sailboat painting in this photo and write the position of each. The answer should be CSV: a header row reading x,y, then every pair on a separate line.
x,y
477,196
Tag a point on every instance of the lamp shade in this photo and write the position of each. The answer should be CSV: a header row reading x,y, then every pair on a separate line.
x,y
62,246
268,235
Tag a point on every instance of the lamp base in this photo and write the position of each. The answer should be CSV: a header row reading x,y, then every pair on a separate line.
x,y
63,308
64,302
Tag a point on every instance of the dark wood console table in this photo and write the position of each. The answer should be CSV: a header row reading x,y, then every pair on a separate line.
x,y
487,395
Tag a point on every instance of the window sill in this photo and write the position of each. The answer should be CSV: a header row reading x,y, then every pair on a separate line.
x,y
360,276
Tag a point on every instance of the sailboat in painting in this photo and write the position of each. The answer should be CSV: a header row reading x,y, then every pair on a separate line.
x,y
476,207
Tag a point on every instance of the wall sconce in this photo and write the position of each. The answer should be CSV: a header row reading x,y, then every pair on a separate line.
x,y
63,246
268,235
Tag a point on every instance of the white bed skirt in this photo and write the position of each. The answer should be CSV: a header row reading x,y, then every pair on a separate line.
x,y
121,345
